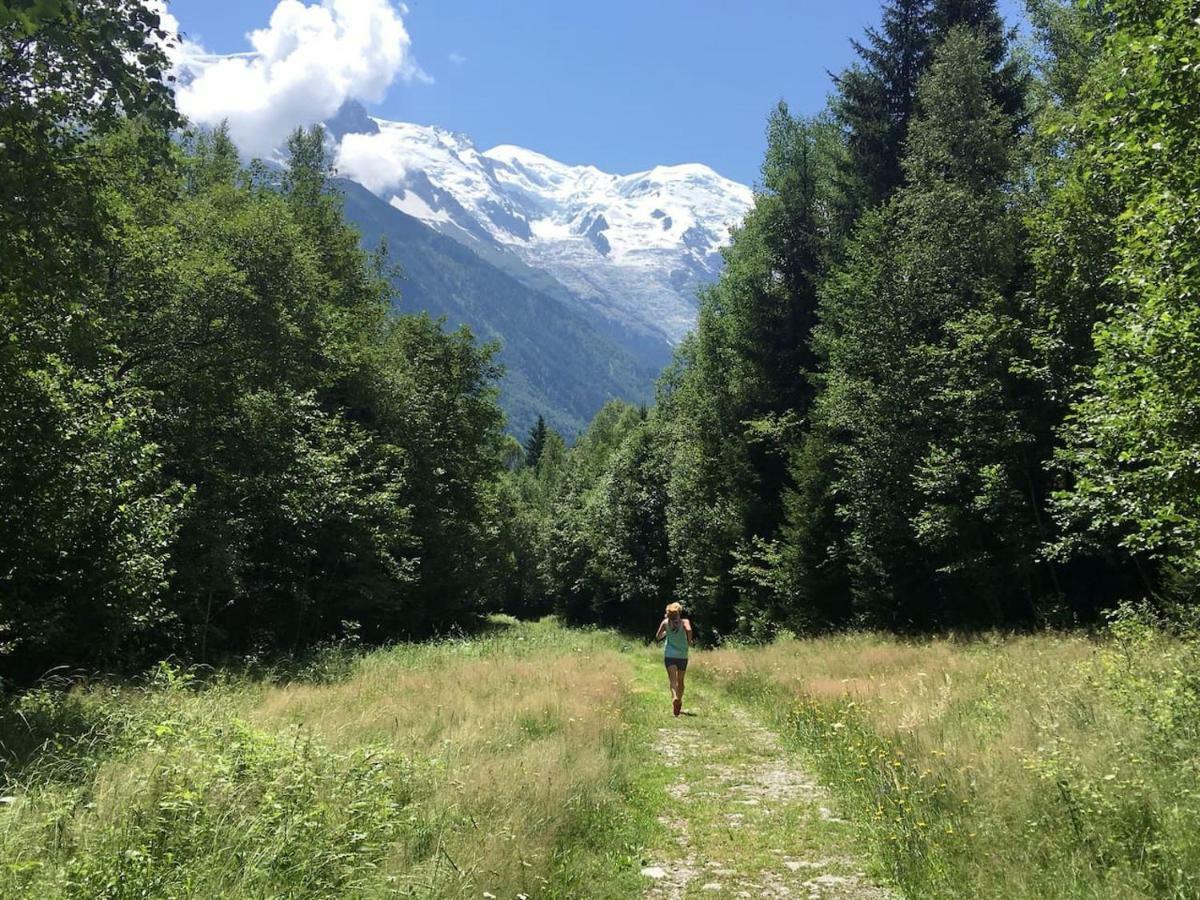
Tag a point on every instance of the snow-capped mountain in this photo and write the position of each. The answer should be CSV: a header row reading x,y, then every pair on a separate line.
x,y
636,246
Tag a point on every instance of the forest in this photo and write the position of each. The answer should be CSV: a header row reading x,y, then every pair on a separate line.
x,y
949,378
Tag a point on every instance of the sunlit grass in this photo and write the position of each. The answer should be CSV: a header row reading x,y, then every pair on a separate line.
x,y
1002,766
496,763
520,761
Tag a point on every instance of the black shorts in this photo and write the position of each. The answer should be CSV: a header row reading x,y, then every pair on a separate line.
x,y
680,664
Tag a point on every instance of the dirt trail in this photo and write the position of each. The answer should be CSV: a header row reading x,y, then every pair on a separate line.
x,y
743,818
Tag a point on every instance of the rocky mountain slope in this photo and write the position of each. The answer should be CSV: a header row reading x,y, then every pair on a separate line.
x,y
560,361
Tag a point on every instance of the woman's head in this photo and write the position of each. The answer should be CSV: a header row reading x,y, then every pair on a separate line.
x,y
674,610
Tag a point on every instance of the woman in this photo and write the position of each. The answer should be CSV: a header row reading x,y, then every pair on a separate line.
x,y
678,632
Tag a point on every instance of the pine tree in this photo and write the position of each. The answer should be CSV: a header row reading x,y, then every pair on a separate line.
x,y
535,443
922,335
742,389
876,98
875,102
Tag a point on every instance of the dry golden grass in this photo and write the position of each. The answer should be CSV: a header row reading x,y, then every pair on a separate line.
x,y
493,764
921,688
512,747
517,762
981,708
1005,765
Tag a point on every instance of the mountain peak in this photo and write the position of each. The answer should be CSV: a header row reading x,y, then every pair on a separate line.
x,y
351,118
637,246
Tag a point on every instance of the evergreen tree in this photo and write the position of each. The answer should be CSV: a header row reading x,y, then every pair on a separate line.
x,y
1008,81
535,443
923,336
213,435
736,402
876,98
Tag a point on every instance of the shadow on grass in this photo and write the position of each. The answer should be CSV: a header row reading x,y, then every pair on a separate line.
x,y
47,730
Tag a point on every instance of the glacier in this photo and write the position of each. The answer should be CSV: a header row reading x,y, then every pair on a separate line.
x,y
635,247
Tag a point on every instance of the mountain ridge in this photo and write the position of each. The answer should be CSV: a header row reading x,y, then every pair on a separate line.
x,y
587,279
635,248
559,362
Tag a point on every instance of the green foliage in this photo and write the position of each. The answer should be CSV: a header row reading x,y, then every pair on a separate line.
x,y
1140,811
176,801
348,807
582,582
924,341
351,777
912,818
87,514
946,377
29,14
631,574
587,525
735,405
67,64
1131,441
213,436
809,566
876,99
441,411
87,519
1040,766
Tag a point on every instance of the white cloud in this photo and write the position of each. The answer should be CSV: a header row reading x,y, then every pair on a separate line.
x,y
307,61
457,58
372,160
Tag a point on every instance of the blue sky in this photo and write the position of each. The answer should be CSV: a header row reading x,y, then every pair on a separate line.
x,y
623,85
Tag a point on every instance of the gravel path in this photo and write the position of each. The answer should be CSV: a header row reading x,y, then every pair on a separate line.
x,y
743,818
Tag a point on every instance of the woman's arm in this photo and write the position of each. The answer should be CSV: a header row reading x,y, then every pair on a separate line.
x,y
687,629
662,630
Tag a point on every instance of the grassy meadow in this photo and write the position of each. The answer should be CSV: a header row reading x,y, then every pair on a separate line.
x,y
492,764
528,761
1008,766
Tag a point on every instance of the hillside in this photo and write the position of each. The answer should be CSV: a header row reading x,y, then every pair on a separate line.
x,y
559,362
587,279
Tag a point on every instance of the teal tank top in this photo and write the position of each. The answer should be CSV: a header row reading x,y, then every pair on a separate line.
x,y
676,646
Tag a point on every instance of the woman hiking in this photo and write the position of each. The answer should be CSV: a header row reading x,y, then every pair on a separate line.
x,y
678,632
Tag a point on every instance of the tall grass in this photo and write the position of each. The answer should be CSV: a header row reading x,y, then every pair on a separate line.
x,y
495,764
1017,767
509,763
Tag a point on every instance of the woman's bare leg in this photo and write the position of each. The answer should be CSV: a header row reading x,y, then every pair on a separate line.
x,y
673,674
679,679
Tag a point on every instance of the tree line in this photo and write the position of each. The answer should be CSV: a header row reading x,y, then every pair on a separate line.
x,y
950,374
215,437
